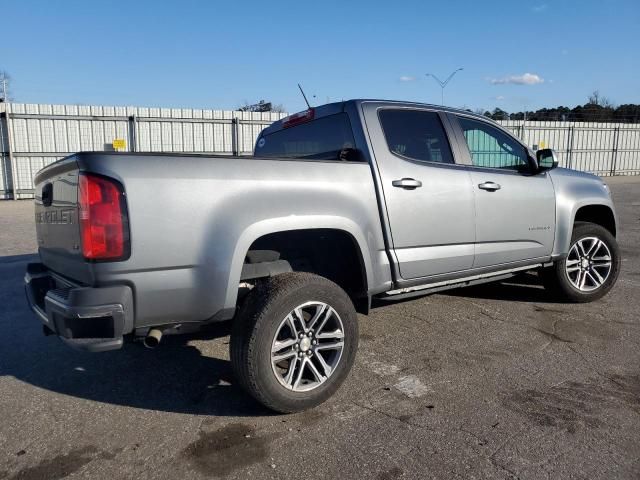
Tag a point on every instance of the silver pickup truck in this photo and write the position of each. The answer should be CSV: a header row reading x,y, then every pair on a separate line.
x,y
341,204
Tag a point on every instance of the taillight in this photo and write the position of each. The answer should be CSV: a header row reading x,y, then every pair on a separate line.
x,y
104,225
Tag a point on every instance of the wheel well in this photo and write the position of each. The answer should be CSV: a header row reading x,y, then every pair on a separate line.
x,y
333,254
599,214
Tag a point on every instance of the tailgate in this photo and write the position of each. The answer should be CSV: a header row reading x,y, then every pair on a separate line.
x,y
56,217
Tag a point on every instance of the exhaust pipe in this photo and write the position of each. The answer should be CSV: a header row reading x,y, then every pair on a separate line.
x,y
152,340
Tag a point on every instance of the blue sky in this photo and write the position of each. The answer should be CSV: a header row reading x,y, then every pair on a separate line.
x,y
210,54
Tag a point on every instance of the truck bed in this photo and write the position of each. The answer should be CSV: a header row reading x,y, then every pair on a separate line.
x,y
192,219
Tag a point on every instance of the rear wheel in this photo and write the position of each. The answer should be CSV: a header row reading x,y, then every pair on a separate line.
x,y
590,269
294,341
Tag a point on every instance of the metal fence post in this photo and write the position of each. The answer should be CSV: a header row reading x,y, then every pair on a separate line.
x,y
569,146
133,133
235,127
9,152
614,151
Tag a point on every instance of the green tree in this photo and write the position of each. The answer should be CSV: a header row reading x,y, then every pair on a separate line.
x,y
598,108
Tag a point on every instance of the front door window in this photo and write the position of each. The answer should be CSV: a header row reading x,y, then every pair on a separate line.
x,y
490,147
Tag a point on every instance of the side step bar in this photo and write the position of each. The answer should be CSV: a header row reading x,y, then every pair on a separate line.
x,y
424,289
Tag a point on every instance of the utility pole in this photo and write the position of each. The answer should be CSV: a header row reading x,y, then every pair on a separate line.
x,y
443,84
3,88
5,79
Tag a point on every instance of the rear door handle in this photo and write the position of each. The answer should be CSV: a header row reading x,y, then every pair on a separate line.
x,y
407,183
489,186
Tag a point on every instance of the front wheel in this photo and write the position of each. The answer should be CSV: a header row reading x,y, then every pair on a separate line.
x,y
294,341
590,269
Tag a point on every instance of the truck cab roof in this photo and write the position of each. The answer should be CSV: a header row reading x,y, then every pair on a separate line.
x,y
338,107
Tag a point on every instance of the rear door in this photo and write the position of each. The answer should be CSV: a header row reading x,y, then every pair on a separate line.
x,y
428,197
515,208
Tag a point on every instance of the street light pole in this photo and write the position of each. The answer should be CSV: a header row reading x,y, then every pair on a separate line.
x,y
443,84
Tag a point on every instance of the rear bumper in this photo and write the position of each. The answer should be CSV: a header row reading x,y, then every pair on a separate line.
x,y
87,318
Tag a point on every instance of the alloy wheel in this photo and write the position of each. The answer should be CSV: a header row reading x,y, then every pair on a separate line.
x,y
588,264
307,346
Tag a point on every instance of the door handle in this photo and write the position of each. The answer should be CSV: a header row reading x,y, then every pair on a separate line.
x,y
489,186
407,183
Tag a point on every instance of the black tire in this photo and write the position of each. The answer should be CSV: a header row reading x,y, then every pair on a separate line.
x,y
255,327
556,280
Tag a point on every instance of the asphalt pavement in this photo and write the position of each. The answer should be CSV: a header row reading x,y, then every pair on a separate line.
x,y
494,381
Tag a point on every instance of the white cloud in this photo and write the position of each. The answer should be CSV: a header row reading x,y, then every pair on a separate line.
x,y
499,98
407,78
539,8
524,79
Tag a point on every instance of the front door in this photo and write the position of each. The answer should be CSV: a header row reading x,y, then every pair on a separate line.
x,y
515,208
428,197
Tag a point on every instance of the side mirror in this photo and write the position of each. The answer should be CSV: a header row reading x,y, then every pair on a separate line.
x,y
547,159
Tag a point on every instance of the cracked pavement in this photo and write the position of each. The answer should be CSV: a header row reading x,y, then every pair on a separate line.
x,y
491,381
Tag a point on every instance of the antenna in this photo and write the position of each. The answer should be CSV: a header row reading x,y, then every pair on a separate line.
x,y
304,96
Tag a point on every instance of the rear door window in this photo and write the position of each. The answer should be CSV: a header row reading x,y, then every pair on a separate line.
x,y
416,134
321,139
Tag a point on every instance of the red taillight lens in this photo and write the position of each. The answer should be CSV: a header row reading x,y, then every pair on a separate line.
x,y
103,219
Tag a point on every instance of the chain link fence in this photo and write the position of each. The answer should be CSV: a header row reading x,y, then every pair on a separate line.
x,y
35,135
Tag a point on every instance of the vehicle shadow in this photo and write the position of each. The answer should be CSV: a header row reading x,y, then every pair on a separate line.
x,y
27,257
175,377
524,287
